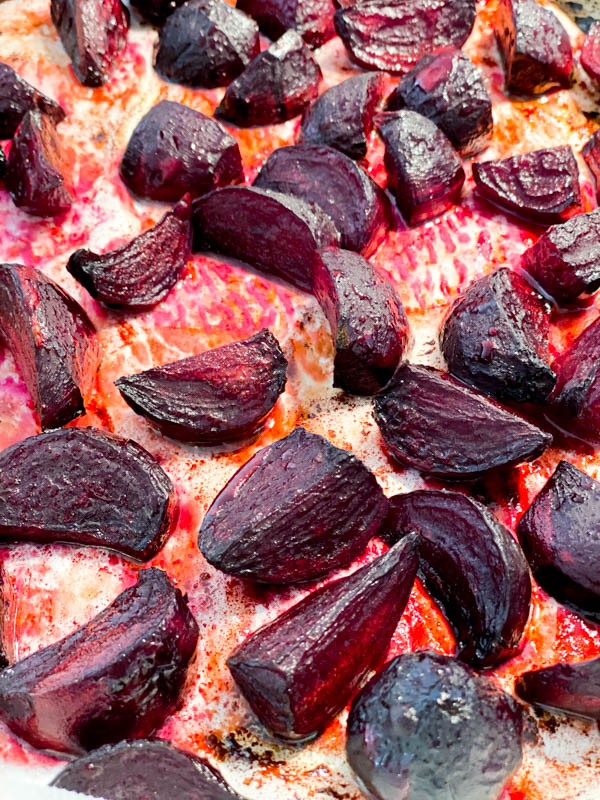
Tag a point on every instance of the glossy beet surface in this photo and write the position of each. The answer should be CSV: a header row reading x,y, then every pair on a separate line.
x,y
206,43
495,338
300,670
156,11
276,86
17,97
175,149
297,509
572,689
51,339
591,154
221,394
541,186
424,170
117,677
317,174
276,233
143,271
427,726
312,19
590,52
434,423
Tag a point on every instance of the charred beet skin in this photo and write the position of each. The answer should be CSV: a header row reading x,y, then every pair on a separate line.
x,y
296,510
572,689
300,670
590,52
427,726
312,19
17,97
433,423
117,677
591,154
156,11
175,149
51,339
221,394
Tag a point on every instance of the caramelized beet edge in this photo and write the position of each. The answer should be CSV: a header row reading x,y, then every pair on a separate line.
x,y
571,689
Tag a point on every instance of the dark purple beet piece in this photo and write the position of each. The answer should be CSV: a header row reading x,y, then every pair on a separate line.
x,y
359,208
296,510
156,11
572,689
175,149
90,488
17,97
428,726
495,338
312,19
3,606
276,86
221,394
51,339
300,670
393,36
276,233
590,52
424,170
541,186
433,423
2,163
206,43
591,154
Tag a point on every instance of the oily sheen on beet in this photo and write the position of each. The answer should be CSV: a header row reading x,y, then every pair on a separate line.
x,y
296,510
300,670
312,19
156,11
17,97
119,676
571,689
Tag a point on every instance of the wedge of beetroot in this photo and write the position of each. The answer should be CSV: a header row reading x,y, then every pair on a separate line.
x,y
433,423
51,339
156,11
571,689
590,52
296,510
317,174
275,233
175,149
312,19
17,97
591,154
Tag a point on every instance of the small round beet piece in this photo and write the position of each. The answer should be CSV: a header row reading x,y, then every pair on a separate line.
x,y
17,97
156,11
591,155
571,689
590,52
312,19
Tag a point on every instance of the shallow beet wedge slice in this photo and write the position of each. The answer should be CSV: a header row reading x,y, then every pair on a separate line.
x,y
296,510
433,423
542,186
427,726
312,19
276,86
221,394
276,233
590,52
495,338
175,149
591,154
117,677
572,689
17,97
51,339
300,670
156,11
359,208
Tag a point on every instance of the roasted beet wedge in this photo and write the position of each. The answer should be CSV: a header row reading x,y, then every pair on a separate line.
x,y
433,423
175,149
206,43
156,11
52,341
572,689
590,52
300,670
218,395
276,86
317,174
312,19
495,338
17,97
299,508
117,677
424,170
273,232
591,154
427,726
541,186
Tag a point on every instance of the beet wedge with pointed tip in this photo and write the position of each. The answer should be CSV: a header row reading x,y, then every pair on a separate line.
x,y
570,689
17,97
312,19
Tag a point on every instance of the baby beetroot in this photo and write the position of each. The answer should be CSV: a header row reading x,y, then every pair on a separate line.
x,y
17,97
312,19
572,689
590,52
156,11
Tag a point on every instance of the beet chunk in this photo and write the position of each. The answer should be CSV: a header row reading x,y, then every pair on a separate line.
x,y
542,186
572,689
317,174
273,232
428,726
300,670
51,339
156,11
17,97
221,394
296,510
591,154
276,86
119,676
206,43
175,150
312,19
433,423
590,52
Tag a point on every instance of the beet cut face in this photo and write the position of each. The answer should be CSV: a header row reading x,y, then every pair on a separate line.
x,y
312,19
206,43
175,149
427,726
359,208
119,676
571,689
17,97
156,11
51,339
591,155
296,510
300,670
433,423
213,397
590,52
